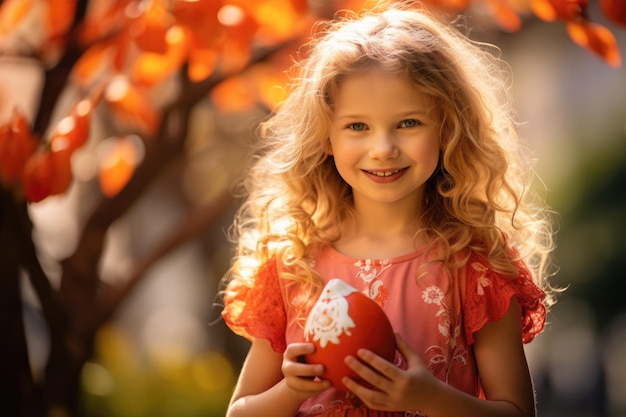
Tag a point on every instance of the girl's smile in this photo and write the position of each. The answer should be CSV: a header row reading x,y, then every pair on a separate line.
x,y
384,176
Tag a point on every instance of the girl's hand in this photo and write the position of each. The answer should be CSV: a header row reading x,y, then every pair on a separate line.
x,y
300,377
393,389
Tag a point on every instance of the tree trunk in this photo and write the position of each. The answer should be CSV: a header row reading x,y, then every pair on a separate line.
x,y
19,393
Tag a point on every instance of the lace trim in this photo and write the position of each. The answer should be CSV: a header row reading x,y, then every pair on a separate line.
x,y
256,310
488,298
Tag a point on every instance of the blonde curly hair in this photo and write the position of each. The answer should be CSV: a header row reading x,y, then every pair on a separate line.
x,y
479,197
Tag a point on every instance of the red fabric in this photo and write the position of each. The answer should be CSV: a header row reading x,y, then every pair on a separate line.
x,y
488,298
257,311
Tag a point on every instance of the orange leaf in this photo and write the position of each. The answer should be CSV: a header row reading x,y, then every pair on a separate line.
x,y
17,143
300,6
544,10
131,106
115,176
47,173
506,17
151,68
117,164
60,16
235,56
12,13
551,10
197,14
202,63
103,19
233,95
597,39
62,178
150,29
121,44
269,80
91,63
277,19
72,131
239,33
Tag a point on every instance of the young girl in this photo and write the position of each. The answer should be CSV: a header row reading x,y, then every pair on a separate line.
x,y
394,164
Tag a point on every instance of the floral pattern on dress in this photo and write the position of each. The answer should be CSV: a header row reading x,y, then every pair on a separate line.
x,y
347,402
369,271
482,281
449,326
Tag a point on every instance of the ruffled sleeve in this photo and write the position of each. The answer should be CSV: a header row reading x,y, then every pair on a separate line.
x,y
257,310
488,297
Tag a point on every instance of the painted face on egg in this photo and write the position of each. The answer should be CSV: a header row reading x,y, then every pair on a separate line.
x,y
330,318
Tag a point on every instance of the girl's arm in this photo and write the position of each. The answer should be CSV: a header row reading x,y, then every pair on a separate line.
x,y
501,365
271,384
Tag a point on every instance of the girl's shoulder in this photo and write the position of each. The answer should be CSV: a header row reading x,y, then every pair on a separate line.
x,y
254,308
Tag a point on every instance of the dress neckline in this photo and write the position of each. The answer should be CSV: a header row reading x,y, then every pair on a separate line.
x,y
341,257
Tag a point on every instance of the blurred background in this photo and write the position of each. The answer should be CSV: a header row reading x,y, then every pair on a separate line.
x,y
150,246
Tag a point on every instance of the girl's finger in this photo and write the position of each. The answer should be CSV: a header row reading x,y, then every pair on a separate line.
x,y
373,369
406,351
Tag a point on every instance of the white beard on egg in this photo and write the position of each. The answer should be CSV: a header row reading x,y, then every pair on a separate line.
x,y
329,317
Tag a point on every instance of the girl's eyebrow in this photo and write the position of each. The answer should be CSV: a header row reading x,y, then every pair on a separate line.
x,y
410,113
416,112
349,116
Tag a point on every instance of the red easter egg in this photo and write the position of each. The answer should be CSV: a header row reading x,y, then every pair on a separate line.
x,y
342,321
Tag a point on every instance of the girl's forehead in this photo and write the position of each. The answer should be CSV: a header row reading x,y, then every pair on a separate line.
x,y
380,92
372,76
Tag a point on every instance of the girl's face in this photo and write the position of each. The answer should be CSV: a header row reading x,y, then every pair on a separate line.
x,y
383,139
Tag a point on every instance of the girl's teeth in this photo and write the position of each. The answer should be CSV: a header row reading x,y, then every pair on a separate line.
x,y
385,174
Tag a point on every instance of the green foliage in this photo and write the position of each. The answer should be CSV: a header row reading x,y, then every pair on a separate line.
x,y
591,249
121,381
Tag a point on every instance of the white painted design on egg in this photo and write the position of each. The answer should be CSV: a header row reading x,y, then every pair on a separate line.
x,y
329,317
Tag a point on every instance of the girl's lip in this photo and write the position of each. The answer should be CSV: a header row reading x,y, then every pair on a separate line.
x,y
385,175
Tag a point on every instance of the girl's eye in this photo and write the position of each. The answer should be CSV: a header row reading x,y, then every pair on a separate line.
x,y
357,126
409,123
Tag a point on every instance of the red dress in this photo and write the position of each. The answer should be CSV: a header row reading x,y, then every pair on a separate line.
x,y
436,314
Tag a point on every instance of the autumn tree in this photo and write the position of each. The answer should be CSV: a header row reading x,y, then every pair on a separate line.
x,y
141,67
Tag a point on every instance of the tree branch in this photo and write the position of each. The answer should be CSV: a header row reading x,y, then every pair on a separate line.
x,y
192,225
80,279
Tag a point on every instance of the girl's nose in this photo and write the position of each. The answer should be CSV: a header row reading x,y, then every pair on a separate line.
x,y
383,147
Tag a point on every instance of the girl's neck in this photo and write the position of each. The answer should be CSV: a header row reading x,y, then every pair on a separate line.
x,y
380,231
